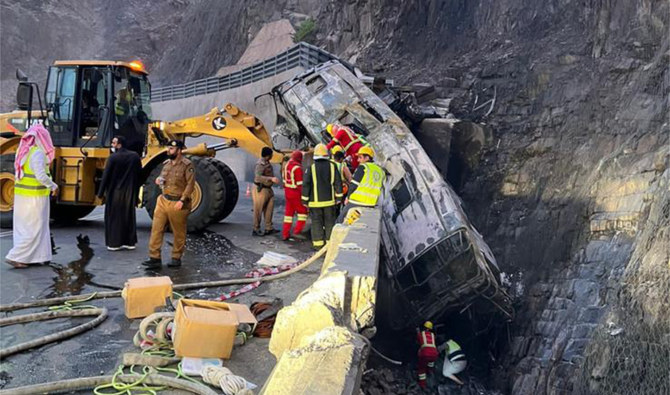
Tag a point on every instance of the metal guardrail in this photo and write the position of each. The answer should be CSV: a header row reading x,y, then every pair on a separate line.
x,y
300,55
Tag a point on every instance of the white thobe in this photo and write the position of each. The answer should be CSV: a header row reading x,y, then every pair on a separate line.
x,y
32,241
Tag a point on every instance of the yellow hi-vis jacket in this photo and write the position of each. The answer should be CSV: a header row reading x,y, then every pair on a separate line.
x,y
454,351
367,188
28,184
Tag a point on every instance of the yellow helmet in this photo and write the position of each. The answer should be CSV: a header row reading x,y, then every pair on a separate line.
x,y
336,149
320,150
367,151
329,128
428,325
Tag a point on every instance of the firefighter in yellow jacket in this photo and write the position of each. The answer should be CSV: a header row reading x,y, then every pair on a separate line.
x,y
321,192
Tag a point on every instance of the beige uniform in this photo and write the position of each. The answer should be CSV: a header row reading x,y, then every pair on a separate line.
x,y
263,196
179,176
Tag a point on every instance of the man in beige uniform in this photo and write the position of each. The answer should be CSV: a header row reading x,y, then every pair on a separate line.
x,y
177,180
263,196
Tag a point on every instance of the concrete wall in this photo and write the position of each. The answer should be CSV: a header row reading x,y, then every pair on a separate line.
x,y
317,339
239,161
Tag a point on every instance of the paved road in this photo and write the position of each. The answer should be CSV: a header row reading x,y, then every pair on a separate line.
x,y
227,250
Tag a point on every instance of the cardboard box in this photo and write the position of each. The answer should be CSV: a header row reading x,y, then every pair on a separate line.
x,y
206,329
144,294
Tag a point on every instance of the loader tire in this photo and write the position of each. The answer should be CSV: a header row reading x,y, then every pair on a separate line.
x,y
208,197
6,190
68,214
231,188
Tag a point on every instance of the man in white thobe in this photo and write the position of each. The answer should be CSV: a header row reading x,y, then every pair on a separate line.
x,y
32,187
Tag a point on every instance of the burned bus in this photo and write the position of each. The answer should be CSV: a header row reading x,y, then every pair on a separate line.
x,y
436,260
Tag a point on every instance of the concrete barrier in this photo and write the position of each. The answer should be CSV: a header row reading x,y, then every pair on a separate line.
x,y
317,339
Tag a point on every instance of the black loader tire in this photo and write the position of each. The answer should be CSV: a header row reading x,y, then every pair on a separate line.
x,y
68,214
210,182
7,168
231,188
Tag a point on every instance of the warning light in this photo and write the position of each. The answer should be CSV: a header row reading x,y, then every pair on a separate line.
x,y
136,65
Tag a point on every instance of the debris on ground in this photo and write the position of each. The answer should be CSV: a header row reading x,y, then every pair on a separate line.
x,y
273,259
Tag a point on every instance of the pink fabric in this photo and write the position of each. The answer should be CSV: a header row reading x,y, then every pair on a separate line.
x,y
37,134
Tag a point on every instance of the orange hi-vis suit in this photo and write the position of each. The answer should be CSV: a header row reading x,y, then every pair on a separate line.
x,y
292,193
427,355
349,140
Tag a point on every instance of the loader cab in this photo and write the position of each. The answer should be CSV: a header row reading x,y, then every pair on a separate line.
x,y
89,102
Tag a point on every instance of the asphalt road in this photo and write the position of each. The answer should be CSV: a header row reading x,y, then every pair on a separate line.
x,y
226,250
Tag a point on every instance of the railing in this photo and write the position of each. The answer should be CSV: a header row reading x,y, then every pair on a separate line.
x,y
300,55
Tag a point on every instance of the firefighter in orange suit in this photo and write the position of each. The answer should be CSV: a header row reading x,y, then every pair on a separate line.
x,y
293,193
347,139
427,352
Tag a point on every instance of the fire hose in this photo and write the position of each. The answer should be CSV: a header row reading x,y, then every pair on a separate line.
x,y
177,287
50,315
69,309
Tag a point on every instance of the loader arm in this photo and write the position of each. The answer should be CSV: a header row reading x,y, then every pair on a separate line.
x,y
238,128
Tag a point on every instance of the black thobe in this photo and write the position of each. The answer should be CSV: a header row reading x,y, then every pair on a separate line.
x,y
120,184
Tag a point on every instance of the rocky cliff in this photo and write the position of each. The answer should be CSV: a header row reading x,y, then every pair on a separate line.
x,y
572,191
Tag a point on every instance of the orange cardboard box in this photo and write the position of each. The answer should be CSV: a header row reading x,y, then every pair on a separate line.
x,y
206,329
143,295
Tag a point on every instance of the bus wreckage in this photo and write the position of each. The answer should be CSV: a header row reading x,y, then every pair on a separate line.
x,y
434,260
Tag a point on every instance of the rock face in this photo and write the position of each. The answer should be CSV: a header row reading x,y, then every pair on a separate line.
x,y
572,193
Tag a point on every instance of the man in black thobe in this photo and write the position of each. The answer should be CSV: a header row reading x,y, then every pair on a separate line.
x,y
120,184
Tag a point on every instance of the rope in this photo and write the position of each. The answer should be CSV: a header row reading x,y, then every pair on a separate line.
x,y
90,382
230,384
101,316
178,287
74,304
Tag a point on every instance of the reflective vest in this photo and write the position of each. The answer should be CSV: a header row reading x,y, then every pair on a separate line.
x,y
454,350
346,138
345,183
293,177
123,99
427,340
330,200
370,187
28,184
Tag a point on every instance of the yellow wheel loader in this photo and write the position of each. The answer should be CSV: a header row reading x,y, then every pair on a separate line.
x,y
86,104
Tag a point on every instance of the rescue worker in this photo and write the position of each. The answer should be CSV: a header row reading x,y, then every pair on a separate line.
x,y
123,99
293,196
454,360
427,352
366,184
177,180
263,196
347,139
321,191
345,173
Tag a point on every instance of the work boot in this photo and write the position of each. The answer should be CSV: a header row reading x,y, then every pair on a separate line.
x,y
175,262
152,263
257,233
271,232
